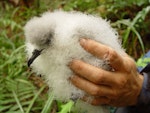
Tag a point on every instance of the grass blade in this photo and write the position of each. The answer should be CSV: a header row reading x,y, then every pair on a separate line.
x,y
4,108
139,38
18,102
126,36
48,104
33,100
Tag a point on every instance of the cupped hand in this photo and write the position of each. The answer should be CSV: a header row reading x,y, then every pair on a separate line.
x,y
120,87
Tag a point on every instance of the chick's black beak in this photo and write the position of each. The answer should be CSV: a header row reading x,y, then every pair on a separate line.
x,y
35,54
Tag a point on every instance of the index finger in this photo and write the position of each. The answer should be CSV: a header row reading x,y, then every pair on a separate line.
x,y
95,74
103,52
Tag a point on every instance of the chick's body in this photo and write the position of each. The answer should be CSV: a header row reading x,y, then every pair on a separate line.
x,y
58,34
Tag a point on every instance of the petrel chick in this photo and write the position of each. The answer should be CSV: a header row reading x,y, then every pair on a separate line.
x,y
52,42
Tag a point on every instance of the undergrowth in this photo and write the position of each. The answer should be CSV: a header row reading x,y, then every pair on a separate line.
x,y
21,94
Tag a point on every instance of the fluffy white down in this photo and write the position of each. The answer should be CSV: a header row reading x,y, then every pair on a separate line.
x,y
68,28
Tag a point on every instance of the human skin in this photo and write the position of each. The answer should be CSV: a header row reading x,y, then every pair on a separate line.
x,y
120,87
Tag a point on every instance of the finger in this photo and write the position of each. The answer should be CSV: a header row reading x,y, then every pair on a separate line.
x,y
106,101
90,88
104,52
101,101
94,74
96,101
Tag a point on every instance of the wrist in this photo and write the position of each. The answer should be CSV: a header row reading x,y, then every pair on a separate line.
x,y
138,89
144,97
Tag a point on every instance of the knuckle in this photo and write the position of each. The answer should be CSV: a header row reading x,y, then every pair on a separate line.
x,y
130,65
100,77
115,95
95,91
95,102
111,54
122,82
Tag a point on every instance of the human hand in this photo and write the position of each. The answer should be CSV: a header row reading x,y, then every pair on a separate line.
x,y
120,87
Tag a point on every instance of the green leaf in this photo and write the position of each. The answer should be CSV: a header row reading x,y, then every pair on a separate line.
x,y
66,107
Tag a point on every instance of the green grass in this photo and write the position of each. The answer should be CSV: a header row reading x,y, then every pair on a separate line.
x,y
131,27
18,93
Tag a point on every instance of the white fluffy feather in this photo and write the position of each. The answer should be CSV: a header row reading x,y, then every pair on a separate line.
x,y
66,29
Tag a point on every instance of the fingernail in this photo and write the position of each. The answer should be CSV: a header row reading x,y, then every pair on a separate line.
x,y
83,41
71,62
72,78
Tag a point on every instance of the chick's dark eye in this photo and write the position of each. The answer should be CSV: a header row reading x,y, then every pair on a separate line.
x,y
49,39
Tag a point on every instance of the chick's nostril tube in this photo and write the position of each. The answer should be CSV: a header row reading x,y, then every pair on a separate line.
x,y
35,54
